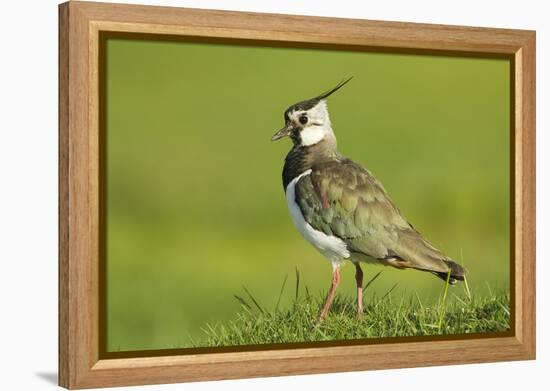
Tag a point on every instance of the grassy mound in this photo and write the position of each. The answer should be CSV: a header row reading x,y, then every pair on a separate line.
x,y
386,316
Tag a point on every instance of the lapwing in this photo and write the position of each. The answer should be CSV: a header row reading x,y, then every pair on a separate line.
x,y
343,210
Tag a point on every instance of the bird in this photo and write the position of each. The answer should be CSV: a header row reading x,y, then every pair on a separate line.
x,y
339,207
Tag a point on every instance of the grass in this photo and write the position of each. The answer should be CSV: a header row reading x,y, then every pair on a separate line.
x,y
389,315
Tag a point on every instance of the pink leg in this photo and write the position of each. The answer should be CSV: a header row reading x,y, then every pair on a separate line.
x,y
359,281
331,293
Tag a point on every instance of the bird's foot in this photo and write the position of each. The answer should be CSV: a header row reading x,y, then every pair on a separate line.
x,y
320,319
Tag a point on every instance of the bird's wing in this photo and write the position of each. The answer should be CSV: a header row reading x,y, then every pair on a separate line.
x,y
343,199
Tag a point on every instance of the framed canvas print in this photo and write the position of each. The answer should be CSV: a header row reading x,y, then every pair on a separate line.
x,y
251,195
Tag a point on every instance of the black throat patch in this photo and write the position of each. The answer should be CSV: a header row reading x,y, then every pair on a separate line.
x,y
302,158
296,162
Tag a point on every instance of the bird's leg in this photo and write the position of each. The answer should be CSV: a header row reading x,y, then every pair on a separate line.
x,y
359,281
330,295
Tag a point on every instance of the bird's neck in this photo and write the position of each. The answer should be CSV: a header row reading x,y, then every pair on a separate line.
x,y
301,158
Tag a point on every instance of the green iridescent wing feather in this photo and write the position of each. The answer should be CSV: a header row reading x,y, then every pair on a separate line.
x,y
343,199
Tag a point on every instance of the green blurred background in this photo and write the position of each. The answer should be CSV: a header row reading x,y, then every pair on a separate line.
x,y
195,204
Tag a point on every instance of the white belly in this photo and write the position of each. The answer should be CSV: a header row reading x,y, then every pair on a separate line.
x,y
332,247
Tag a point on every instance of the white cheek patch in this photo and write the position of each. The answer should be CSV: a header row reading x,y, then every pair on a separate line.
x,y
312,135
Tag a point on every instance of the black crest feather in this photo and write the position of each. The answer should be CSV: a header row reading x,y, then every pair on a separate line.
x,y
334,89
310,103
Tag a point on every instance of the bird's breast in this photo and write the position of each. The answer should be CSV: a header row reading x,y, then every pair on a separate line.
x,y
332,247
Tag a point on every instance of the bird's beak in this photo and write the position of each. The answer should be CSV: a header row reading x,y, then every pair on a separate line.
x,y
283,132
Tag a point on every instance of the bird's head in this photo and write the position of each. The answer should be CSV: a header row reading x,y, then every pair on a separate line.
x,y
308,122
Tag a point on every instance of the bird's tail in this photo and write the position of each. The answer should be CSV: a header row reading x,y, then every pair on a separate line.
x,y
456,271
417,253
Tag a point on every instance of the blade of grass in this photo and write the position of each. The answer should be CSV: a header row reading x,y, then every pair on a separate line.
x,y
372,280
504,308
398,317
466,286
442,313
459,299
242,301
419,301
387,293
297,284
489,288
281,293
253,300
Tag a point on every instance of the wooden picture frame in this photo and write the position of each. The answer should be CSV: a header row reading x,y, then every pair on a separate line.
x,y
81,363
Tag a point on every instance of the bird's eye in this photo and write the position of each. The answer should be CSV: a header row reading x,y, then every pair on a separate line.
x,y
303,120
